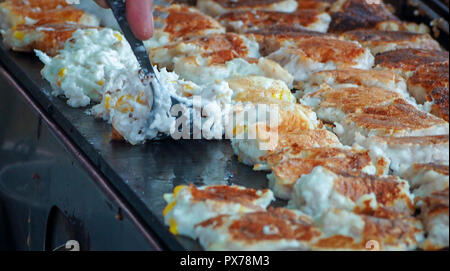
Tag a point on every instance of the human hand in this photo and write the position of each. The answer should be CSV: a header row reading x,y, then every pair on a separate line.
x,y
139,16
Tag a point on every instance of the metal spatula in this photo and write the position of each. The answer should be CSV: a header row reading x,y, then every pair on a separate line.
x,y
146,74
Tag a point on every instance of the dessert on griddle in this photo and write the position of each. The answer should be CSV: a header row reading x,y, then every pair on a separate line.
x,y
218,7
243,21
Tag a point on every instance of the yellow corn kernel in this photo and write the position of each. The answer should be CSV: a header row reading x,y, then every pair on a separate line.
x,y
169,208
62,72
19,35
107,101
101,82
141,99
118,36
177,189
173,226
122,104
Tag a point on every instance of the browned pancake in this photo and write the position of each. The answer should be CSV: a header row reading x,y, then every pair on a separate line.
x,y
335,159
392,232
430,82
225,193
255,20
43,4
220,48
397,116
380,41
185,22
364,78
324,50
354,99
274,37
48,38
354,14
249,227
46,16
408,60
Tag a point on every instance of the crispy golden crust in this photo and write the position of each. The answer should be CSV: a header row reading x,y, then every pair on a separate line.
x,y
225,193
409,60
433,79
354,14
53,36
261,19
250,227
220,48
292,144
355,99
387,189
46,16
184,22
274,37
440,107
335,159
431,75
329,50
395,117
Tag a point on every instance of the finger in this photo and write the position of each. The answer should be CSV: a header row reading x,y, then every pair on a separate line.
x,y
140,18
102,3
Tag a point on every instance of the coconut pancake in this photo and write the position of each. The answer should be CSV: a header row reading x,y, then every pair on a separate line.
x,y
382,41
218,7
244,21
189,205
